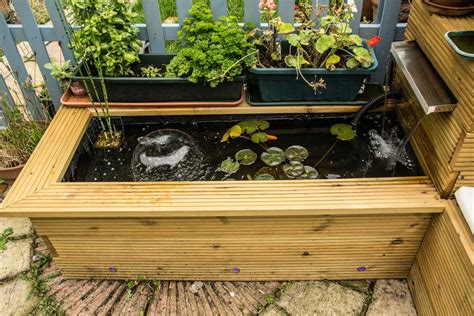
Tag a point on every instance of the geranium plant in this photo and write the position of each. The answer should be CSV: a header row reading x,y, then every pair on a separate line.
x,y
320,42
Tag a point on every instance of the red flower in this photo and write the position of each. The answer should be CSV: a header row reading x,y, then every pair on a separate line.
x,y
374,40
297,7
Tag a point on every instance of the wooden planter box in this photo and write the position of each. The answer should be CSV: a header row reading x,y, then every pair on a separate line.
x,y
239,230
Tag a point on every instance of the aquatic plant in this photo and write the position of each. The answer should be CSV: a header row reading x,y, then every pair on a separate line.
x,y
343,132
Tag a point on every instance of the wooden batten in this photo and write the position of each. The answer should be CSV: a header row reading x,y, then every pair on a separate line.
x,y
444,141
442,277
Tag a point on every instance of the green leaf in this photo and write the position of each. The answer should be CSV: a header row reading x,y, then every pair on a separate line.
x,y
264,176
284,28
352,63
248,127
362,55
293,39
296,153
295,61
293,169
246,157
273,156
344,28
229,166
356,39
332,61
343,132
263,125
235,131
324,43
259,137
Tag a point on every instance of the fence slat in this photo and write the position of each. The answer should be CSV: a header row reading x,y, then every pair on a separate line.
x,y
58,19
286,10
151,10
325,4
219,8
8,45
37,44
355,23
252,12
4,94
387,32
183,7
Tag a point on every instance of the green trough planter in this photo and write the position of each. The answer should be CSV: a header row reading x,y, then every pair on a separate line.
x,y
134,89
282,84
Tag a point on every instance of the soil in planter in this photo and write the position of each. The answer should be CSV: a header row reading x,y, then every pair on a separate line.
x,y
188,148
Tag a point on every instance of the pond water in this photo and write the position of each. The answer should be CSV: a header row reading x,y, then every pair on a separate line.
x,y
189,148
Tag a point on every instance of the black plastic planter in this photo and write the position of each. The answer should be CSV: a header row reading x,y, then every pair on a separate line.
x,y
134,89
282,84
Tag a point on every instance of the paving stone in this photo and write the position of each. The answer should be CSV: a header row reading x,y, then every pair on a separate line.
x,y
16,258
16,298
391,297
21,226
273,310
360,285
320,298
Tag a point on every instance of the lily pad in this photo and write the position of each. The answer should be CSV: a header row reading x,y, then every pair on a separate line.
x,y
273,156
293,169
343,131
230,166
264,176
296,153
246,156
309,173
259,137
233,132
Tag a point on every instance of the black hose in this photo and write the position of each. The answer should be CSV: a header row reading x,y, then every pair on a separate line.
x,y
373,102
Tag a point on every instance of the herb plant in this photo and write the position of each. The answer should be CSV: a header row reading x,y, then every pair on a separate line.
x,y
211,50
320,42
151,71
106,37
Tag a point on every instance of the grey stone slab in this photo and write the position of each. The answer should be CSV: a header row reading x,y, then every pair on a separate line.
x,y
21,226
16,298
320,298
16,258
391,298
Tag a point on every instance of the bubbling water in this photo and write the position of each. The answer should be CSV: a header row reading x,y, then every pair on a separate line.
x,y
167,155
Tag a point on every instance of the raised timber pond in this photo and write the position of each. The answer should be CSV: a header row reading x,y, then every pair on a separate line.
x,y
217,230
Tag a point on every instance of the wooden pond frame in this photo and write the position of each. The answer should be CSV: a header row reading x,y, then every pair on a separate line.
x,y
239,230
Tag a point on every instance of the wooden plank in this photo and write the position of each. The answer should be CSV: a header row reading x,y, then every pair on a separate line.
x,y
183,7
8,45
252,12
387,32
5,94
151,11
37,45
61,28
442,277
355,23
219,8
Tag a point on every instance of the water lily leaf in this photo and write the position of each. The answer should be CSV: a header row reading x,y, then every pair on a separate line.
x,y
343,131
332,61
295,61
230,166
273,156
309,173
246,157
259,137
324,43
264,176
293,169
263,125
285,28
296,153
235,131
248,127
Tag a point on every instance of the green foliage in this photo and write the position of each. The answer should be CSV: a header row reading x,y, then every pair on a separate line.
x,y
264,176
151,71
273,156
106,37
246,157
230,166
322,42
60,72
213,51
47,304
296,153
251,128
5,237
293,169
20,138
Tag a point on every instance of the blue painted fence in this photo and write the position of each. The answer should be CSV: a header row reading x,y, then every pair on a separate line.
x,y
156,33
